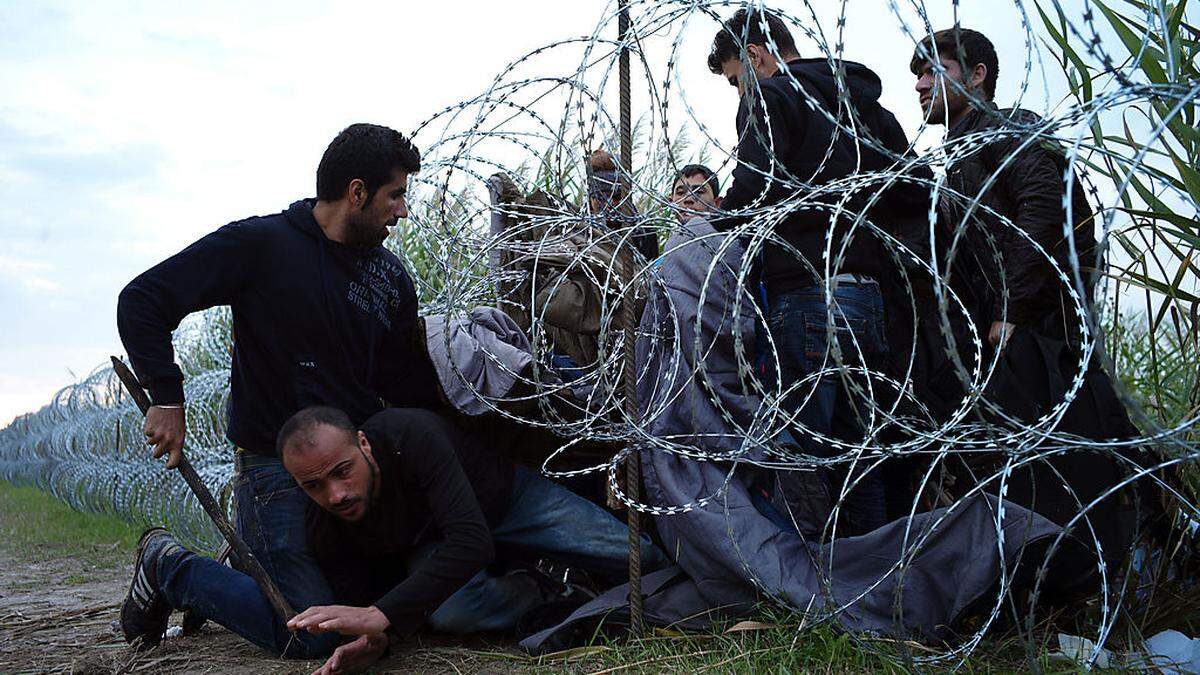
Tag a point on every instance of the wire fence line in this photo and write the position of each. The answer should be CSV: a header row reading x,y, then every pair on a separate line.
x,y
87,448
537,124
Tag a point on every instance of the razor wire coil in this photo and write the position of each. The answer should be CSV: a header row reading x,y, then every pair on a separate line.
x,y
86,445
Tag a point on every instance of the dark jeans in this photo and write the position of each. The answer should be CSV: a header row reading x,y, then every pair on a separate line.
x,y
798,323
545,520
270,517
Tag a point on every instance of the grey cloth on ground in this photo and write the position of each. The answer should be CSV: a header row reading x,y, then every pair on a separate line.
x,y
911,578
485,352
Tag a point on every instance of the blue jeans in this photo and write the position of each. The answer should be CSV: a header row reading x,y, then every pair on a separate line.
x,y
271,519
545,520
798,323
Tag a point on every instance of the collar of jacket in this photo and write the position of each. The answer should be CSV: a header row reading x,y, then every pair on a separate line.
x,y
970,120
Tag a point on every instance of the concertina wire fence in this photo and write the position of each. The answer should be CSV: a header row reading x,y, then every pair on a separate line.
x,y
538,121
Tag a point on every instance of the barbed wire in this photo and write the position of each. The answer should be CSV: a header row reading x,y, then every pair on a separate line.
x,y
537,124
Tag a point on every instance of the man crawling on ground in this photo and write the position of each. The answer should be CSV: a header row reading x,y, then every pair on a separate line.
x,y
407,512
408,522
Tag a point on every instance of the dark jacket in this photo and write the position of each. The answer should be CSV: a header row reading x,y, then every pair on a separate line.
x,y
810,152
314,322
1041,360
1029,191
439,487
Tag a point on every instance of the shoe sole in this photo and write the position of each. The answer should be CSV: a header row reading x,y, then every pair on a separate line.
x,y
140,641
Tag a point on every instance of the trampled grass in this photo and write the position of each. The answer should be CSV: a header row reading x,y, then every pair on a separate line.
x,y
766,648
781,643
36,526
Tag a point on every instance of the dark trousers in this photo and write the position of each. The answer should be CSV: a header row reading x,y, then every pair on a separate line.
x,y
817,392
270,517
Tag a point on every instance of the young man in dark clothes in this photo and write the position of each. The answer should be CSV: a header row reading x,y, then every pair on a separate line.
x,y
788,151
405,513
322,314
1013,291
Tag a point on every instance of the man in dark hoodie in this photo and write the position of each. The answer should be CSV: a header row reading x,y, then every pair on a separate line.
x,y
322,314
790,155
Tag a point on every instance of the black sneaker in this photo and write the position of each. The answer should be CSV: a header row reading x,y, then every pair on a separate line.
x,y
145,611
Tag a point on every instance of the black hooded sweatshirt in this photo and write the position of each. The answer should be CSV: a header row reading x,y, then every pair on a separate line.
x,y
810,151
315,322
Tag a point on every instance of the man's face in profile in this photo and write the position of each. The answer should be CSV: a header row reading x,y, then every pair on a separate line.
x,y
693,196
734,72
369,226
940,100
762,64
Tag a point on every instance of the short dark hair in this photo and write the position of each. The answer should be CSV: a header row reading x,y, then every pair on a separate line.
x,y
745,28
369,152
301,425
699,170
969,47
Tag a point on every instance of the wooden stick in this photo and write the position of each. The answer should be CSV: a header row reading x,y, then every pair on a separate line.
x,y
246,559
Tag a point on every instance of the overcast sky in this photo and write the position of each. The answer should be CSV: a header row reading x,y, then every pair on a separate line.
x,y
129,129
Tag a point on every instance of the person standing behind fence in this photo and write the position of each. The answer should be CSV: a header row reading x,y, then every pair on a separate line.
x,y
323,314
696,193
610,198
788,150
1008,194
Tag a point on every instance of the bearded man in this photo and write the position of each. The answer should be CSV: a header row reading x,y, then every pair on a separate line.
x,y
323,314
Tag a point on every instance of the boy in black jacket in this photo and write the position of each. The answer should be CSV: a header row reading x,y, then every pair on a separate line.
x,y
322,314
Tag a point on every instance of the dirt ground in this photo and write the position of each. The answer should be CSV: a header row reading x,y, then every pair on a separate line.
x,y
58,615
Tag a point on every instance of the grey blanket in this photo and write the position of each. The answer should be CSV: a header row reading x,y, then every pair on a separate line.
x,y
912,578
477,357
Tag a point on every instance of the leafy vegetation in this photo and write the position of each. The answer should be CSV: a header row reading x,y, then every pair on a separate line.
x,y
1149,152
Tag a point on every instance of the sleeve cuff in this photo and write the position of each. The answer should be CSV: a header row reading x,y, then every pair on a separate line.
x,y
1017,316
166,393
400,622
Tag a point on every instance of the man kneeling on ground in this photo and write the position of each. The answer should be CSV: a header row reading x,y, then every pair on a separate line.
x,y
383,488
407,512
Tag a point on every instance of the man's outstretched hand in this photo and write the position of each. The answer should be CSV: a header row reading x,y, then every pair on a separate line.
x,y
164,428
368,623
340,619
355,656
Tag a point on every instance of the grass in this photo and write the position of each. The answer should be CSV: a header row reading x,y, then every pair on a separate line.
x,y
782,643
36,526
767,648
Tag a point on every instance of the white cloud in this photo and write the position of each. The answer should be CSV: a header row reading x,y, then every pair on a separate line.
x,y
32,275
